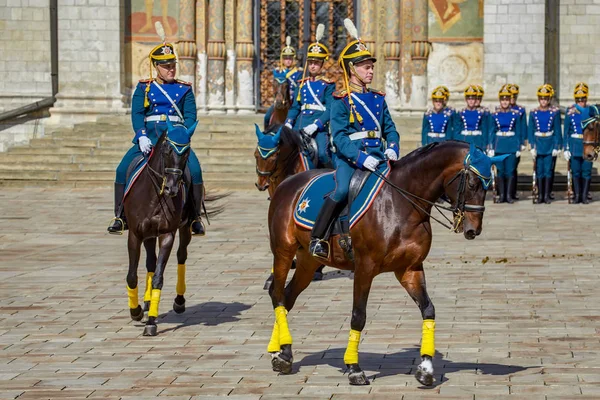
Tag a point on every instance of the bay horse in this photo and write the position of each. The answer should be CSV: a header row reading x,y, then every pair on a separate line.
x,y
155,209
282,103
591,136
394,235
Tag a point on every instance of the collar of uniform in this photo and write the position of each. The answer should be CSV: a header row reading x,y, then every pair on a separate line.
x,y
357,88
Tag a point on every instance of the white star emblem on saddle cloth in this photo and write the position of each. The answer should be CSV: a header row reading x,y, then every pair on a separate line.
x,y
304,204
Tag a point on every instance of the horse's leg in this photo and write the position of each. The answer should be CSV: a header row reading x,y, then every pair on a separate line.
x,y
185,237
150,246
414,282
363,278
134,246
280,345
306,265
165,244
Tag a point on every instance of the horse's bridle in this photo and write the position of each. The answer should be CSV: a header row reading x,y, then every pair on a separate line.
x,y
596,141
163,175
274,150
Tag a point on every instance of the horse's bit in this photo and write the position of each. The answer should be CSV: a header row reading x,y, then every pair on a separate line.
x,y
166,171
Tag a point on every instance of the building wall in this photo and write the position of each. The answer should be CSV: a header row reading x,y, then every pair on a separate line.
x,y
579,50
513,47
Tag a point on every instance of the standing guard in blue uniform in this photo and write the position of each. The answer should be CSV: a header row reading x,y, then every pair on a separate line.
x,y
360,119
545,140
471,124
287,70
514,89
505,138
155,100
581,169
438,120
312,99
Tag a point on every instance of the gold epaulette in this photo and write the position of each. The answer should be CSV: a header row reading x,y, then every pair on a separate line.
x,y
379,92
325,79
340,94
146,80
573,110
184,82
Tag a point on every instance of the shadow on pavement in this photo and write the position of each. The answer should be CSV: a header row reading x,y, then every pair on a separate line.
x,y
211,313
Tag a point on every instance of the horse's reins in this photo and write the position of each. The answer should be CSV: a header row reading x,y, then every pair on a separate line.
x,y
458,211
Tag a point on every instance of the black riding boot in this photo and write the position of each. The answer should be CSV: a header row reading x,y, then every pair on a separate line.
x,y
319,247
197,227
576,190
118,223
585,191
510,182
513,186
547,190
552,178
540,186
501,191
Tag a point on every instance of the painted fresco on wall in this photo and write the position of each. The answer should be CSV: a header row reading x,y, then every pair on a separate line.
x,y
456,20
141,36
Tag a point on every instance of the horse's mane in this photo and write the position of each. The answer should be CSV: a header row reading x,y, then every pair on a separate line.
x,y
426,151
288,136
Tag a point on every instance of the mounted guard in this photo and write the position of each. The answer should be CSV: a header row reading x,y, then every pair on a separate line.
x,y
311,108
154,101
287,70
438,120
581,168
360,119
545,139
471,124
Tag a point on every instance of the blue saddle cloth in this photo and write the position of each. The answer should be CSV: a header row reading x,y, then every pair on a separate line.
x,y
313,196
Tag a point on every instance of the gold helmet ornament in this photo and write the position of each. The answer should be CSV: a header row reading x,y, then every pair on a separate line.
x,y
287,51
446,92
438,93
316,51
355,52
580,92
514,89
546,90
471,90
164,53
480,91
504,91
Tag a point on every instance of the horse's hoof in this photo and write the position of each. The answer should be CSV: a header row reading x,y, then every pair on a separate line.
x,y
358,379
268,282
318,276
179,308
150,330
280,364
136,313
424,373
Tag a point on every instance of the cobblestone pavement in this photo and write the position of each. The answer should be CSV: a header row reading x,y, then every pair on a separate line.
x,y
517,311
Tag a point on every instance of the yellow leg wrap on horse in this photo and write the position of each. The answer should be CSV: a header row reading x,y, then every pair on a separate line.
x,y
180,288
148,292
154,300
285,337
274,345
428,338
133,297
351,354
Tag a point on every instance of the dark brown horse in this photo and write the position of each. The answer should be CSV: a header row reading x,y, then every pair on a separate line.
x,y
591,139
393,236
282,103
155,209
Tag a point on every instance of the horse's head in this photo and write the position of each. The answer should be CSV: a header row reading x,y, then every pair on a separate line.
x,y
173,149
591,135
281,88
266,154
466,190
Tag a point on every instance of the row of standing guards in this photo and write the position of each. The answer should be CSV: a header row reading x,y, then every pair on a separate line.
x,y
508,131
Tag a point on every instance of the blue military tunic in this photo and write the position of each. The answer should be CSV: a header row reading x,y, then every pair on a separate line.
x,y
573,141
522,121
150,121
354,141
544,136
292,76
314,106
437,126
506,138
471,126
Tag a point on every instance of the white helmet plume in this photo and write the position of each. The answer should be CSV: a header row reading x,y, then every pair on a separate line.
x,y
320,32
160,30
288,40
351,28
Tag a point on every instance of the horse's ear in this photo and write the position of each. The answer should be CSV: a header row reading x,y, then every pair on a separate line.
x,y
259,134
191,129
498,159
278,134
169,124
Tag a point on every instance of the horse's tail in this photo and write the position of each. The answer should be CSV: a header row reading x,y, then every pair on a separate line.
x,y
211,207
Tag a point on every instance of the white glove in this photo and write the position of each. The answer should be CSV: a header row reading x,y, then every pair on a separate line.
x,y
371,163
491,153
310,129
567,155
145,144
518,154
554,153
391,155
523,147
533,153
288,125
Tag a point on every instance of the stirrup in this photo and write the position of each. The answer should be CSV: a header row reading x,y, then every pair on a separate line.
x,y
314,243
203,231
114,231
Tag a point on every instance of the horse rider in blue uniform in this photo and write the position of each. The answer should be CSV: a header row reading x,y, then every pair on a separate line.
x,y
471,124
505,138
514,89
438,121
545,139
155,100
287,70
312,99
360,119
581,169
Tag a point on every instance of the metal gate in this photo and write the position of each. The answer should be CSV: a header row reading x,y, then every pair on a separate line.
x,y
299,19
